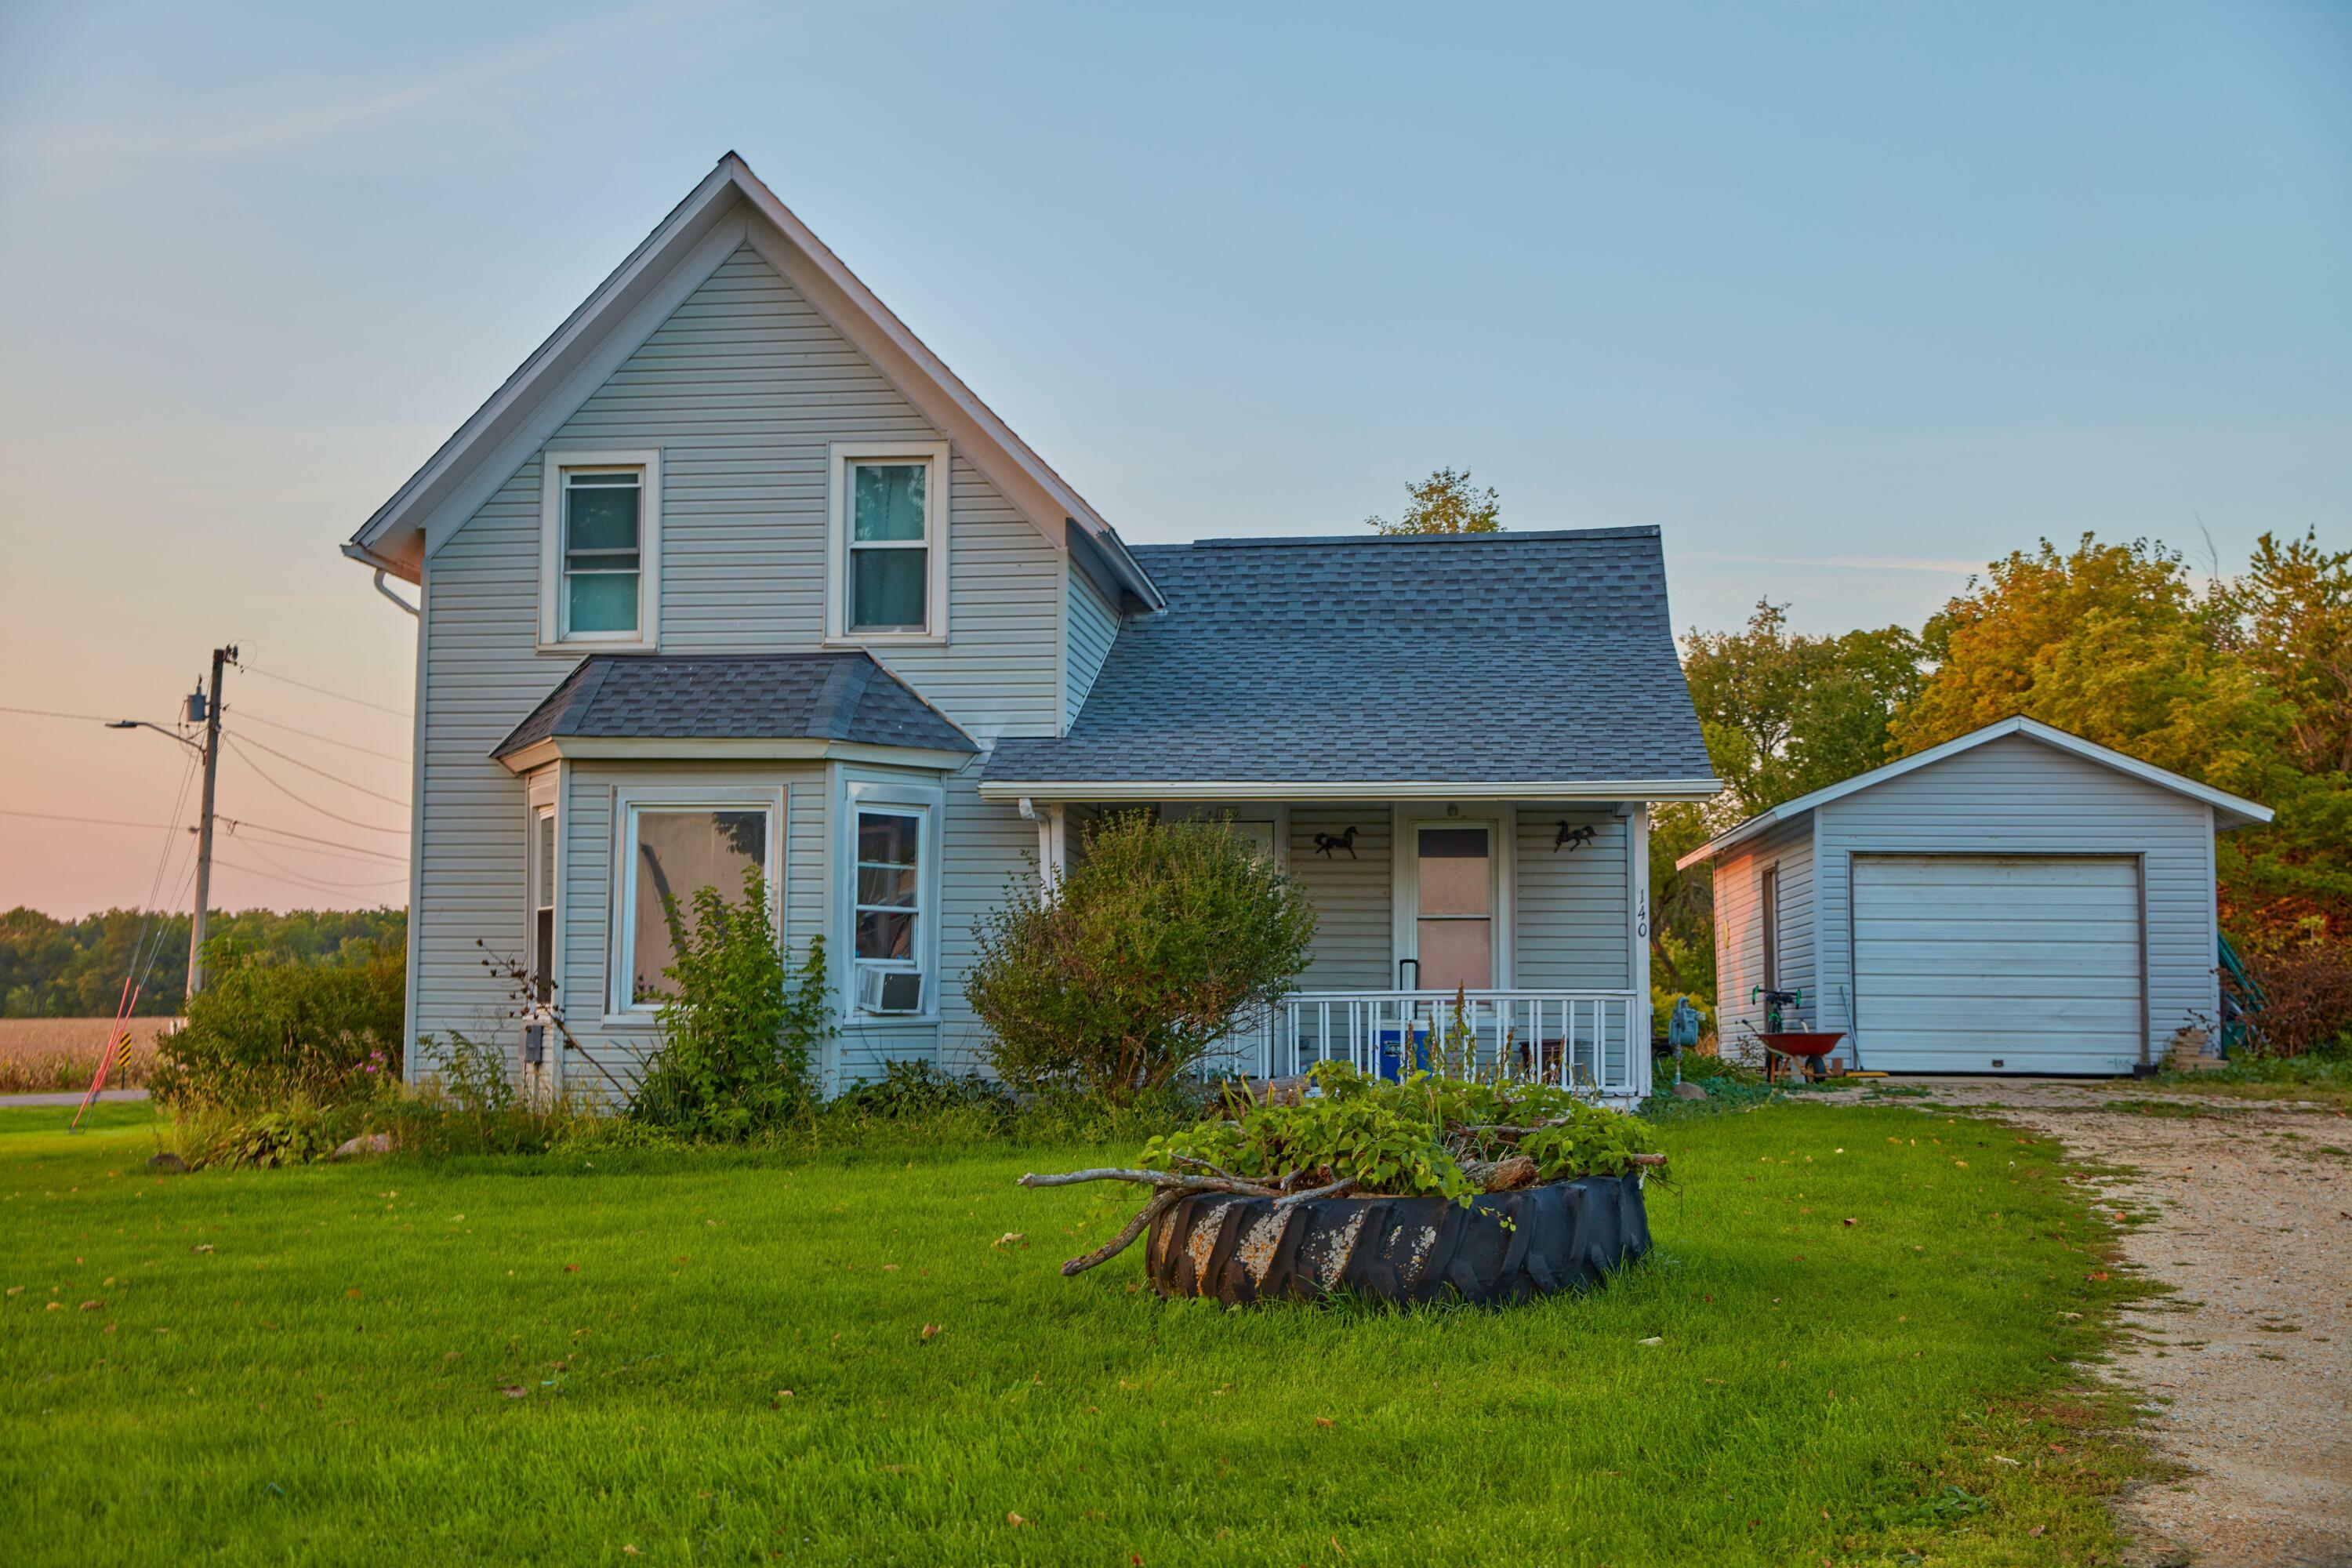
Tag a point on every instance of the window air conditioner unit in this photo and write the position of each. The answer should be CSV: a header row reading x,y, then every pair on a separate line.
x,y
890,991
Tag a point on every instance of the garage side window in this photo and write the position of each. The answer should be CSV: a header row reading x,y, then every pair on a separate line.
x,y
1768,916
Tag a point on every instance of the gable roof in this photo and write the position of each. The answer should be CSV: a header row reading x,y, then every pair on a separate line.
x,y
1463,664
821,696
731,207
2228,810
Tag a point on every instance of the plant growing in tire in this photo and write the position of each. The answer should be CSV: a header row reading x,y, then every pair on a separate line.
x,y
1430,1189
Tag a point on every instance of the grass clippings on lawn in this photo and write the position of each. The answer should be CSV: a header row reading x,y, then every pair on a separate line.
x,y
1856,1342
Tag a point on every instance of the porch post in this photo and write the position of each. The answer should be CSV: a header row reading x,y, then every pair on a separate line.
x,y
1637,871
1053,847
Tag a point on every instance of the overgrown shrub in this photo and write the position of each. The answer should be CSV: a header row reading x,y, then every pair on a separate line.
x,y
1161,940
739,1035
267,1031
2303,1001
911,1089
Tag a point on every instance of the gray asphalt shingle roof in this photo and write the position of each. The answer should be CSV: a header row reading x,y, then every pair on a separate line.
x,y
776,696
1489,659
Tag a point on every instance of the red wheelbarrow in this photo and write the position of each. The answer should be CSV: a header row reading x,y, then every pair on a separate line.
x,y
1796,1051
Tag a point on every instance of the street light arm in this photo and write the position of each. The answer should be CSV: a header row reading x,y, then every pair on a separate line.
x,y
195,746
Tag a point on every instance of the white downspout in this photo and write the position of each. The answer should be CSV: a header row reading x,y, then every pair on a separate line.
x,y
384,588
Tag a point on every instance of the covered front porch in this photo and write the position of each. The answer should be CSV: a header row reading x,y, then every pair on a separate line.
x,y
1475,932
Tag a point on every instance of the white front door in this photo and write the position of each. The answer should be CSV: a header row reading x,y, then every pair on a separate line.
x,y
1452,930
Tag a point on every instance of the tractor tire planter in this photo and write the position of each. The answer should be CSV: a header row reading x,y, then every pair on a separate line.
x,y
1504,1247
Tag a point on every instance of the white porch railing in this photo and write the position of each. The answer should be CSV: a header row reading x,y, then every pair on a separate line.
x,y
1588,1040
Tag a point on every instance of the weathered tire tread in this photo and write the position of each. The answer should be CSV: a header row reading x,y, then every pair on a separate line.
x,y
1562,1235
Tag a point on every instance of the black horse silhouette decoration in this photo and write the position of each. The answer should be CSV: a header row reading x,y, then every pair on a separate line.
x,y
1572,839
1327,842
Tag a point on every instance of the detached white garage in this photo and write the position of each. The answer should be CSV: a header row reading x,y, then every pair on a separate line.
x,y
2016,901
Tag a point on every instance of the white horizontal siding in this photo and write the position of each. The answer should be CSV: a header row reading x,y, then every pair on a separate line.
x,y
1353,894
586,817
742,389
481,618
2017,796
1093,626
1787,848
990,856
1570,924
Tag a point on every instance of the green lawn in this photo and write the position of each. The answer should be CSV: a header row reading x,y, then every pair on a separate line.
x,y
503,1360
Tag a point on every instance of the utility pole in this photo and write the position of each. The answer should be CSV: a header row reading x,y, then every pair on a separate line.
x,y
210,701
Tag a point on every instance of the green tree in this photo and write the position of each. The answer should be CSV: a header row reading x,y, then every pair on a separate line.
x,y
2108,641
1159,940
2289,618
73,969
1785,715
1446,502
2242,687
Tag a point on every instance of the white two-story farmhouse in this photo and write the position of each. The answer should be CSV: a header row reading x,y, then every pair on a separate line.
x,y
734,573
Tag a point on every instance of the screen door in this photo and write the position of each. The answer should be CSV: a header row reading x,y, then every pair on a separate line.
x,y
1453,914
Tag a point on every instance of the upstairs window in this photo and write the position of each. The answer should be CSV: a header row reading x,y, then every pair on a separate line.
x,y
603,520
600,556
889,555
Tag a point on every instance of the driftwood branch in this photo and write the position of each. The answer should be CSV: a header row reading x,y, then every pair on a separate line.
x,y
1173,1180
1161,1202
1199,1164
1338,1189
1505,1176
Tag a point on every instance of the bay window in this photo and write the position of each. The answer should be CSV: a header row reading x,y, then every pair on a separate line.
x,y
889,896
671,843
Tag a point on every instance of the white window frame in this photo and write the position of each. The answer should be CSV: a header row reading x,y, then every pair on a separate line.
x,y
543,861
557,462
1502,854
926,803
936,512
631,801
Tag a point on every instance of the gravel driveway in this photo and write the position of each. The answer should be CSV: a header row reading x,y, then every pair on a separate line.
x,y
2248,1366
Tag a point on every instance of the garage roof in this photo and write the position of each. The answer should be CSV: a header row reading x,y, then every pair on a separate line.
x,y
2228,810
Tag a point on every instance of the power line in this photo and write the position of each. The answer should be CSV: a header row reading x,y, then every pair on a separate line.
x,y
93,821
255,846
322,811
332,848
138,973
339,697
53,714
302,881
233,824
241,742
246,716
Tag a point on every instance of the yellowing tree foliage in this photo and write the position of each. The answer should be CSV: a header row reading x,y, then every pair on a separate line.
x,y
1446,502
2244,687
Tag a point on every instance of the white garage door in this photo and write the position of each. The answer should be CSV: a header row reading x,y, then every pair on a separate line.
x,y
1996,962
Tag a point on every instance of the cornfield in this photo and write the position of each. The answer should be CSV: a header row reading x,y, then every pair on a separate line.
x,y
49,1054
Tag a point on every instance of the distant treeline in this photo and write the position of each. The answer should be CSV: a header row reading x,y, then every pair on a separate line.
x,y
73,969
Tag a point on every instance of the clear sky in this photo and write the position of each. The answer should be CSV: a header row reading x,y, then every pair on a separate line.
x,y
1847,298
